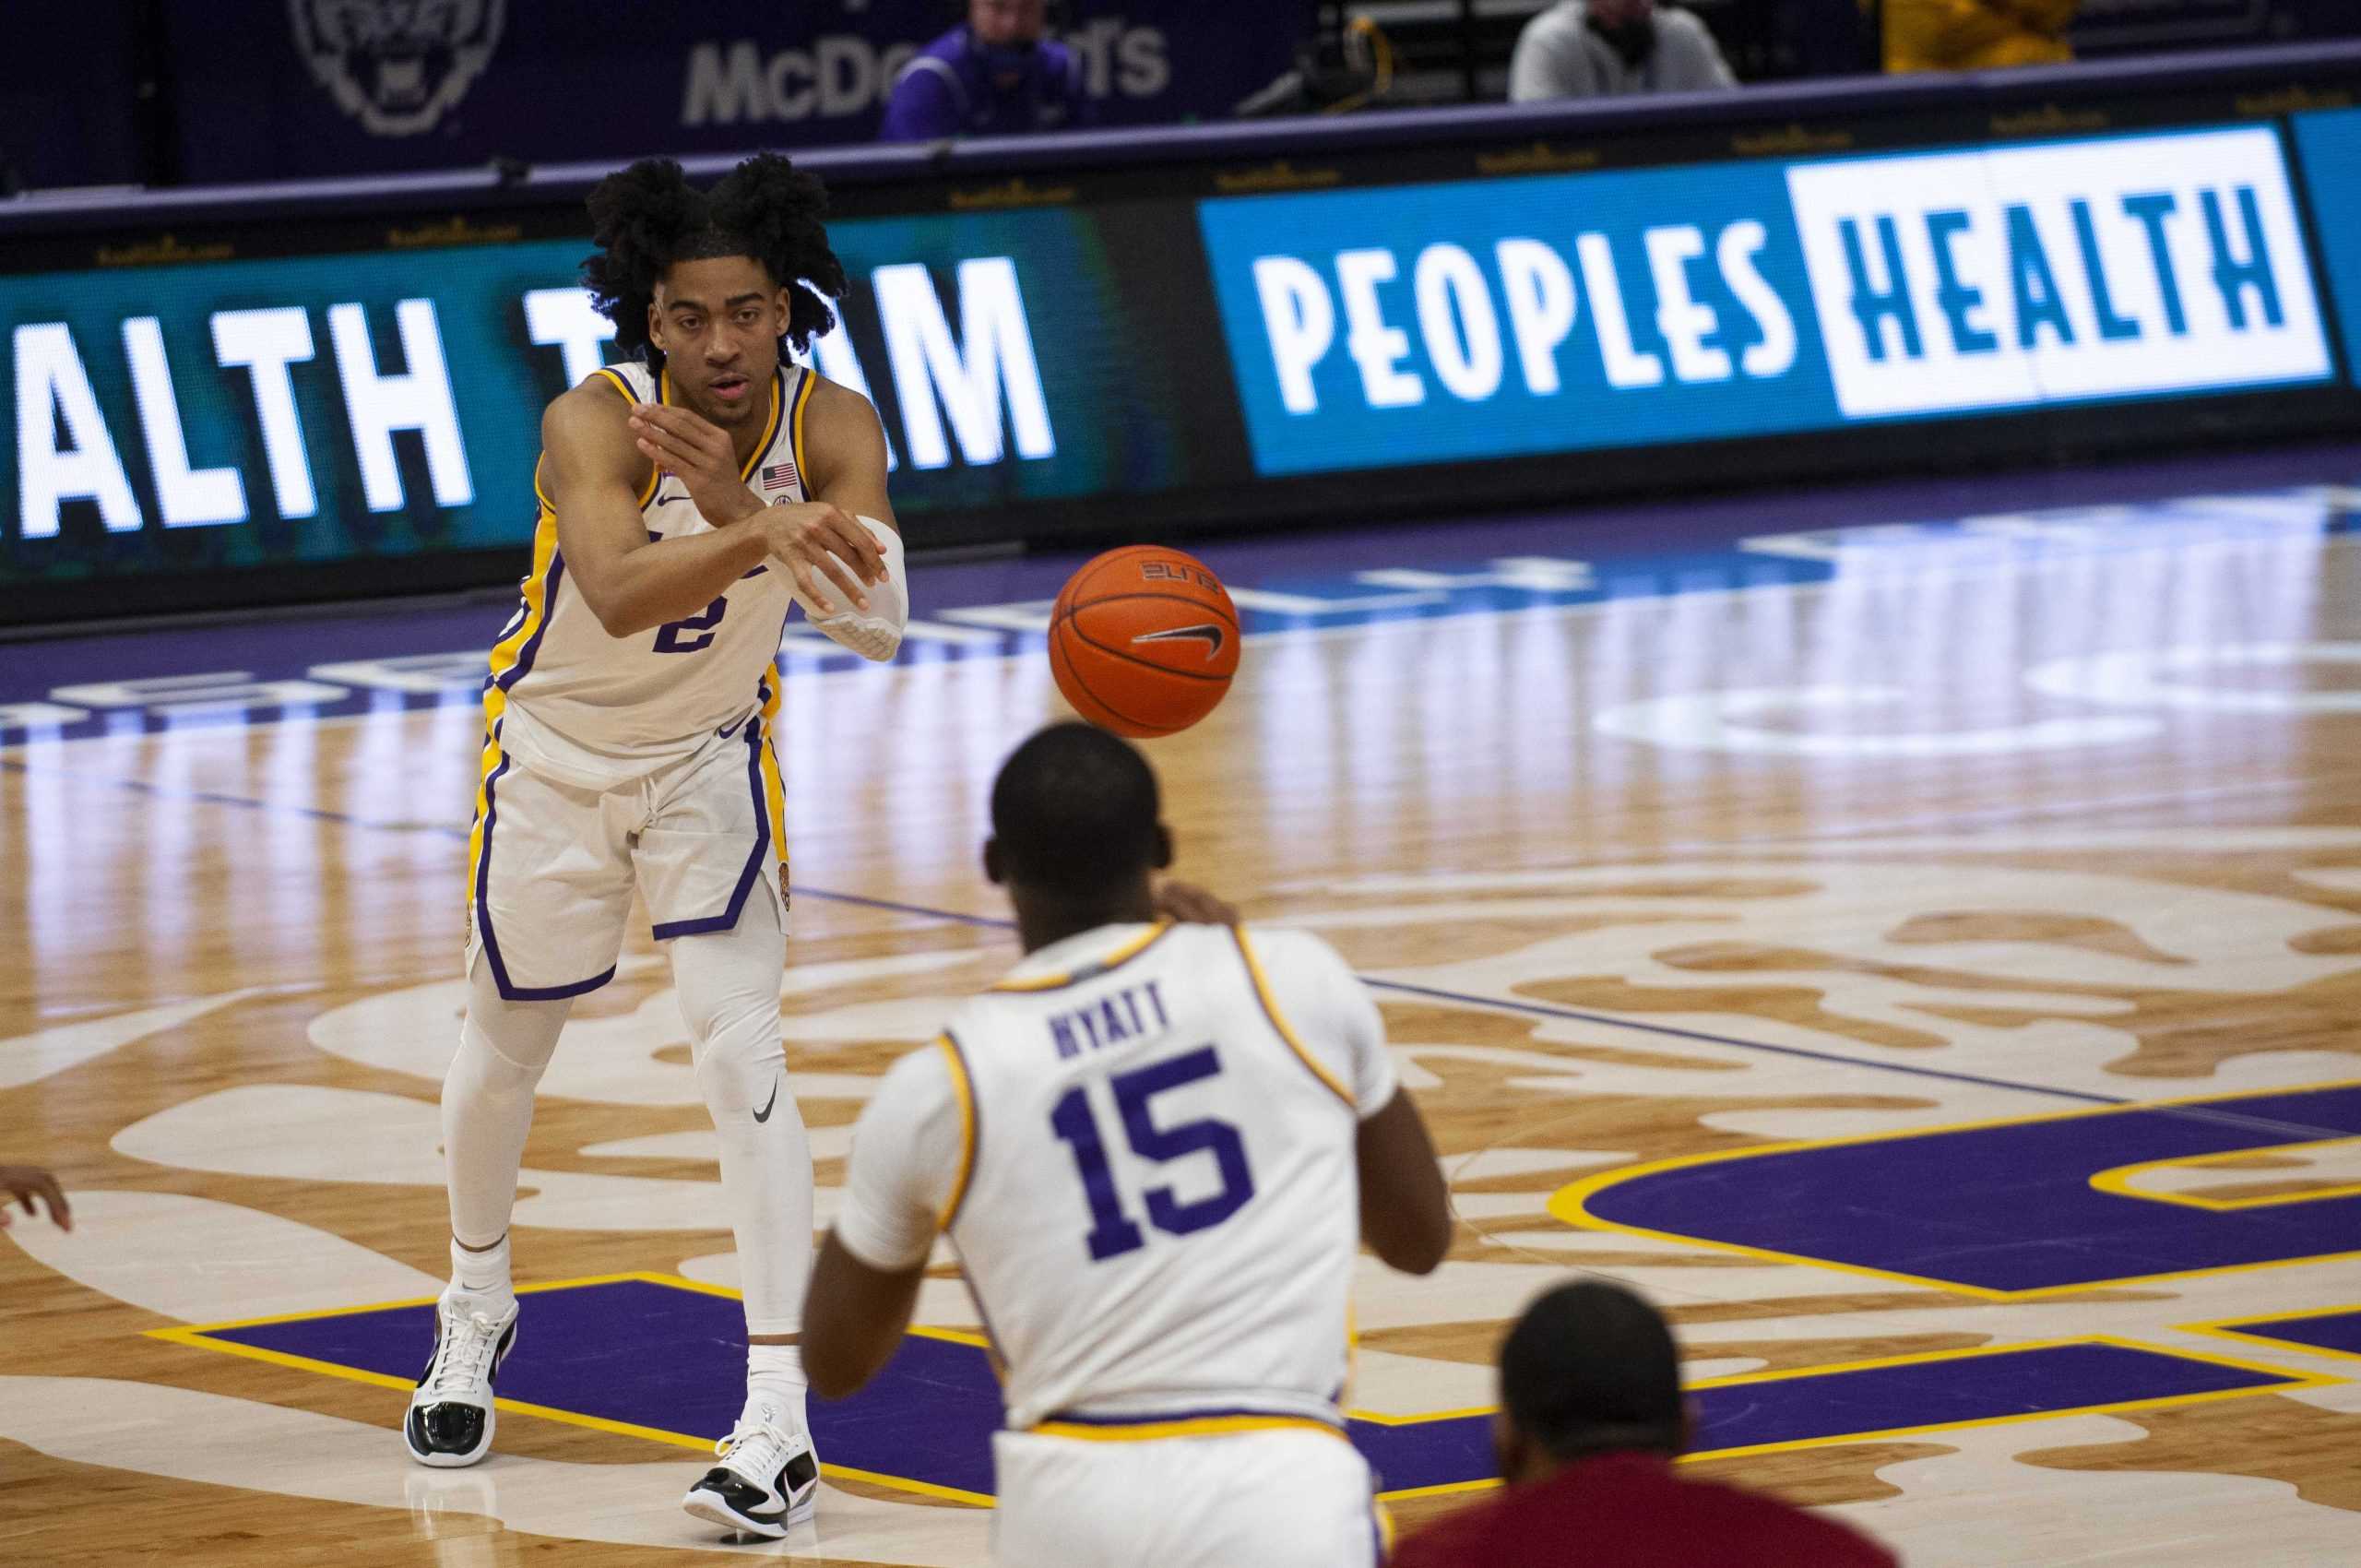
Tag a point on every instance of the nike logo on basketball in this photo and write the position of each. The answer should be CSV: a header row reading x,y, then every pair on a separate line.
x,y
1210,633
765,1113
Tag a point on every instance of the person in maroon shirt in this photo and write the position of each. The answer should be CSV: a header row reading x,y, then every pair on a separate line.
x,y
1591,1419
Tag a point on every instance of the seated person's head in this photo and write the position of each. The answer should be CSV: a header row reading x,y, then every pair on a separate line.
x,y
1004,24
1629,27
1589,1368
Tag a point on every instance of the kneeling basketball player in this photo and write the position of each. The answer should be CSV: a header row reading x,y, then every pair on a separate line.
x,y
1156,1148
688,495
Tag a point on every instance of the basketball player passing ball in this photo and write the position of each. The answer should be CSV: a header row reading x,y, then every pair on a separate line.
x,y
1156,1148
688,496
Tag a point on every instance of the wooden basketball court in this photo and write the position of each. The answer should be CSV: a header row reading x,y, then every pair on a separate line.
x,y
2044,826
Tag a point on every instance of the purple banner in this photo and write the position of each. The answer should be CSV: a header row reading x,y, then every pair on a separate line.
x,y
2105,27
274,88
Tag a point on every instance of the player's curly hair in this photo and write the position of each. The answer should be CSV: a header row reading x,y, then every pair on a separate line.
x,y
648,216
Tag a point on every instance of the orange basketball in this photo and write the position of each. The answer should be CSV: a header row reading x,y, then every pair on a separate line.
x,y
1144,641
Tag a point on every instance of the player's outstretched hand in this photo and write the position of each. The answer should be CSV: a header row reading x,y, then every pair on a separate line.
x,y
812,537
695,450
1192,905
24,1183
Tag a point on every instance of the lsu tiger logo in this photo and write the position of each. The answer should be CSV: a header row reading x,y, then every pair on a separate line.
x,y
397,66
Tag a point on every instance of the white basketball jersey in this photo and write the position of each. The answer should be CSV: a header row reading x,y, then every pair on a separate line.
x,y
600,711
1154,1191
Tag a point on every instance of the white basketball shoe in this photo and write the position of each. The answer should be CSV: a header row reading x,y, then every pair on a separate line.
x,y
450,1417
767,1480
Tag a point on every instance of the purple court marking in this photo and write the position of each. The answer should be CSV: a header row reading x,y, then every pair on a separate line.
x,y
2007,1207
2338,1331
646,1354
649,1354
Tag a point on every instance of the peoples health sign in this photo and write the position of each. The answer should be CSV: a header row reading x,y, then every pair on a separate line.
x,y
1494,318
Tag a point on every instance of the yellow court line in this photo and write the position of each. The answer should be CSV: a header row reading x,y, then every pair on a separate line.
x,y
1447,1489
626,1276
550,1413
198,1337
2295,1381
2117,1179
2284,1381
1919,1358
2157,1402
2239,1328
643,1276
1568,1204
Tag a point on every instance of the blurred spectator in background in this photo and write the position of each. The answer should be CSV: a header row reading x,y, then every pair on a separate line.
x,y
1591,1417
992,76
1602,48
1975,35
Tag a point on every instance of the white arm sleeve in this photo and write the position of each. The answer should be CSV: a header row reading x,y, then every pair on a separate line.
x,y
909,1151
1331,1011
876,632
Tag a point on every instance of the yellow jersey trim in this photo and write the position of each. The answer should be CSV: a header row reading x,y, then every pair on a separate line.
x,y
795,431
1199,1426
614,378
1120,957
966,1093
1279,1021
770,432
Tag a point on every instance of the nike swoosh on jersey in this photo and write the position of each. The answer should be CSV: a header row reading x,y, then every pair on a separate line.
x,y
765,1113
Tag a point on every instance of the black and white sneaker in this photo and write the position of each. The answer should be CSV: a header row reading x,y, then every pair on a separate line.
x,y
768,1478
450,1417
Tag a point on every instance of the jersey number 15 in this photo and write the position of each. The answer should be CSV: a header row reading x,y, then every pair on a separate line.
x,y
1112,1232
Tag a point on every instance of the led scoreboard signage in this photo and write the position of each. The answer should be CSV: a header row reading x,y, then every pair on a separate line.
x,y
321,404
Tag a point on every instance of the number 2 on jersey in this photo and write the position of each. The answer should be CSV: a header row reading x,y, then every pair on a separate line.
x,y
669,638
1112,1232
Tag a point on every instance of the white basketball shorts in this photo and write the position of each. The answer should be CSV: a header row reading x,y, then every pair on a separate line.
x,y
1286,1497
551,867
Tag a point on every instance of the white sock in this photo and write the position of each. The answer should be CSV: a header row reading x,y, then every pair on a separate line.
x,y
482,1273
775,1376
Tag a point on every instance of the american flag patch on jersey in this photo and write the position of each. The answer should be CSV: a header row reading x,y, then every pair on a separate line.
x,y
780,476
